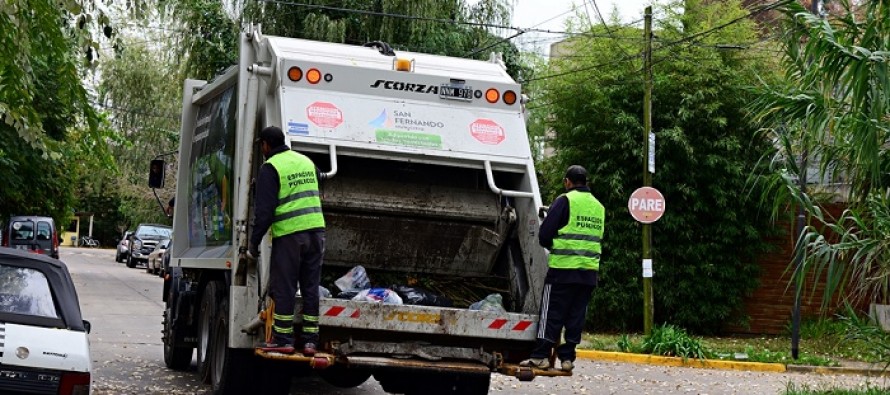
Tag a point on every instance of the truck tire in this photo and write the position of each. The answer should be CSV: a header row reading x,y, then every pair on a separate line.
x,y
176,357
231,369
344,377
206,318
131,263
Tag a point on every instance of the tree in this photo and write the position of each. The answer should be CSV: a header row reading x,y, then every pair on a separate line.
x,y
832,108
47,118
705,247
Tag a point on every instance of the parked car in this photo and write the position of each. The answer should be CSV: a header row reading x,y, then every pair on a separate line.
x,y
165,260
144,240
33,233
123,248
42,333
156,257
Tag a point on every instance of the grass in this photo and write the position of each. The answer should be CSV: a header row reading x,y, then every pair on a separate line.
x,y
823,343
793,389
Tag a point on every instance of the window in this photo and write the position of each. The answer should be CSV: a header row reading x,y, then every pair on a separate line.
x,y
26,291
44,230
22,230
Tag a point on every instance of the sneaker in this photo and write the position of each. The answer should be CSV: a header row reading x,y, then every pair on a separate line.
x,y
567,366
540,363
279,348
309,349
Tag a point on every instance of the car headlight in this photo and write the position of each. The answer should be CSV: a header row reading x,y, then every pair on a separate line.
x,y
137,245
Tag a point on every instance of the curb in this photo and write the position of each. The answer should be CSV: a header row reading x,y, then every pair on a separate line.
x,y
659,360
681,362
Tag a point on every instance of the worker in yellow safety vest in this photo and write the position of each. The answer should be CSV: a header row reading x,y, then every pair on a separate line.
x,y
289,203
573,233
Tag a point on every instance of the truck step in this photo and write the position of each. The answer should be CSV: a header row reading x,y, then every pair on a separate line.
x,y
524,373
318,361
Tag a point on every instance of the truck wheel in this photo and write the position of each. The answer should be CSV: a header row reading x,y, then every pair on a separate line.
x,y
175,357
117,257
209,308
131,263
231,369
343,377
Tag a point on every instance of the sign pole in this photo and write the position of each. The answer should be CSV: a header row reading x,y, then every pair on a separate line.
x,y
648,297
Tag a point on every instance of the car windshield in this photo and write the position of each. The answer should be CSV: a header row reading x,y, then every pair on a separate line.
x,y
25,291
154,231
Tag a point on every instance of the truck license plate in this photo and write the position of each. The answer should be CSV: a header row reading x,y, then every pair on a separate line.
x,y
452,92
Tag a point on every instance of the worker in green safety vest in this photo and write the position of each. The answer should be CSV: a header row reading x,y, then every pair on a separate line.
x,y
573,233
288,203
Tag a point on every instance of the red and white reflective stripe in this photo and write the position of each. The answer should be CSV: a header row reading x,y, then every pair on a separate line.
x,y
340,311
501,323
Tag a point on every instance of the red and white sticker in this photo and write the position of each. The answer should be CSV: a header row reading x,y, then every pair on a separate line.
x,y
340,311
503,323
324,114
487,131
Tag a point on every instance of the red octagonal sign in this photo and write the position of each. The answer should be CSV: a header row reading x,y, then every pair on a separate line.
x,y
646,205
324,114
487,131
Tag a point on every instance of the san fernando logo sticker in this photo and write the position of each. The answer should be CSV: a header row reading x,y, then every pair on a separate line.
x,y
324,114
487,131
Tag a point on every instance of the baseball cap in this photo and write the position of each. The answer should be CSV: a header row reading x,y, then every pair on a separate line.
x,y
576,174
272,135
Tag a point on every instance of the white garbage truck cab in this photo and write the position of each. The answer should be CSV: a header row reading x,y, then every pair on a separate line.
x,y
429,181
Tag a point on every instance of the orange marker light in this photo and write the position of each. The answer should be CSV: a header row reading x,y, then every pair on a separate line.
x,y
313,76
492,95
295,74
509,98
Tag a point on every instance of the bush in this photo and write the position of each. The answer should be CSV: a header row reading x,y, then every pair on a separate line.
x,y
674,342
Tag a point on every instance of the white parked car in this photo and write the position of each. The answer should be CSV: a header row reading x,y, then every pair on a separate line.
x,y
156,258
44,348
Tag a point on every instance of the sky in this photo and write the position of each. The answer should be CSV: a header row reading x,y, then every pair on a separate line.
x,y
552,15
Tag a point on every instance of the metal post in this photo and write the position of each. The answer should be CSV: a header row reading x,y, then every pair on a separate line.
x,y
648,298
815,8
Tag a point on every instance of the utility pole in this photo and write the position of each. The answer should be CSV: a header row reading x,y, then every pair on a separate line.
x,y
816,9
648,298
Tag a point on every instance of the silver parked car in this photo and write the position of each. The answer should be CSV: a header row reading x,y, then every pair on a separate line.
x,y
123,248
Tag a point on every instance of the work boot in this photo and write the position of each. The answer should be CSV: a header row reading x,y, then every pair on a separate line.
x,y
309,349
540,363
567,366
277,347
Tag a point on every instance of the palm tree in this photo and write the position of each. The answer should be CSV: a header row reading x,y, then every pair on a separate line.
x,y
833,108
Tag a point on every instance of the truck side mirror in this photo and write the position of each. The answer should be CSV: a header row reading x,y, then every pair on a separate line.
x,y
156,174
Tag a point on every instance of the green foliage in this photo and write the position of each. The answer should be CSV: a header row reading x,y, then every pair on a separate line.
x,y
428,28
47,119
705,247
672,341
864,329
832,105
804,389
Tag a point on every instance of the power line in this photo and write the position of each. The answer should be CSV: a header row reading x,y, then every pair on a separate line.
x,y
690,38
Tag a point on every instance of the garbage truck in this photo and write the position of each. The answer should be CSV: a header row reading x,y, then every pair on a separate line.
x,y
429,182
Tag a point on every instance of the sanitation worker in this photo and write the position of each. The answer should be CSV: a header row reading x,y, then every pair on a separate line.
x,y
288,202
572,232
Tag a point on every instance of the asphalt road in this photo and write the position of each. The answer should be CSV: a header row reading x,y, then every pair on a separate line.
x,y
124,307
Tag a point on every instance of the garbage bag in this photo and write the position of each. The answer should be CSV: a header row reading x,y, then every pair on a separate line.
x,y
323,292
493,302
420,296
355,279
380,295
347,294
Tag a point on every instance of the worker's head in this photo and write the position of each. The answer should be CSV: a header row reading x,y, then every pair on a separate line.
x,y
576,176
270,138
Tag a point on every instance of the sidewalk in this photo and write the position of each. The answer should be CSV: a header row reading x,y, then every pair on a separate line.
x,y
849,368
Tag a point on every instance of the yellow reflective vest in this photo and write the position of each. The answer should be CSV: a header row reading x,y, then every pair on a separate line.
x,y
578,244
299,202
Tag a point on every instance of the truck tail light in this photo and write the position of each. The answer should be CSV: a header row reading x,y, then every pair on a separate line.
x,y
294,74
492,95
74,383
509,98
313,76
